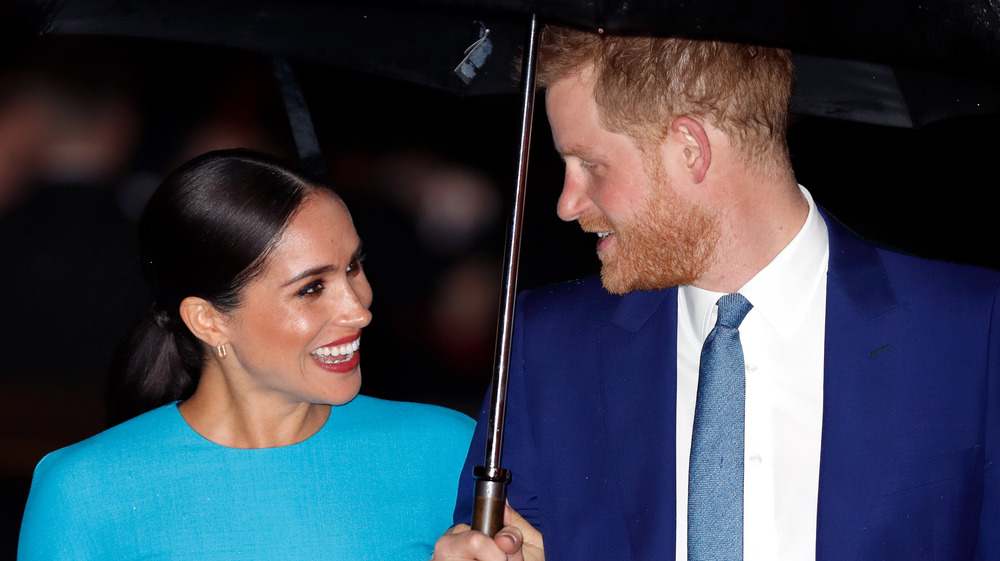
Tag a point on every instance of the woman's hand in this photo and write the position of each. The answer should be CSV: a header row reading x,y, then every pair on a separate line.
x,y
516,541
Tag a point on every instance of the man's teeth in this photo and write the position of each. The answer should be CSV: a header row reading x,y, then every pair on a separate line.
x,y
337,353
603,235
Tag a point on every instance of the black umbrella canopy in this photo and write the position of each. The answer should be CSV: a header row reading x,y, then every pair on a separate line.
x,y
890,62
941,34
415,42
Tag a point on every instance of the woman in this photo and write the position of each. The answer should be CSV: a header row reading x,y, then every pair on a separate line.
x,y
260,447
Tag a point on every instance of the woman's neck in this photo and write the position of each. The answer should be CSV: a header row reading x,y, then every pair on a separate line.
x,y
238,418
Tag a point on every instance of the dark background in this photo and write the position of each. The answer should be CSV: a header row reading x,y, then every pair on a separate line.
x,y
88,127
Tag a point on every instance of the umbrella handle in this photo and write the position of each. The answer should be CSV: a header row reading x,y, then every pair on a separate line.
x,y
491,497
491,479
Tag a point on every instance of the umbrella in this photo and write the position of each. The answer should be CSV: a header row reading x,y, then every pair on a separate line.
x,y
889,62
879,62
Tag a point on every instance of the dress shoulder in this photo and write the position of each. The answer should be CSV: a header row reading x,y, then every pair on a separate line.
x,y
407,418
69,486
140,435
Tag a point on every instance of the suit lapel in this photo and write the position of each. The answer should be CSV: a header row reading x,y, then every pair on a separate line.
x,y
857,391
638,376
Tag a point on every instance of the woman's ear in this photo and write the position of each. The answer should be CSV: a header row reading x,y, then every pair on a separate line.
x,y
691,137
201,317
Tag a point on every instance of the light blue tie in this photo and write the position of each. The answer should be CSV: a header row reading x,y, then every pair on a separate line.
x,y
715,476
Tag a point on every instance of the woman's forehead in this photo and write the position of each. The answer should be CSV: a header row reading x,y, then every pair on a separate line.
x,y
321,225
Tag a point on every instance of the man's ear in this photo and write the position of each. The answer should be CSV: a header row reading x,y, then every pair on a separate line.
x,y
692,140
203,320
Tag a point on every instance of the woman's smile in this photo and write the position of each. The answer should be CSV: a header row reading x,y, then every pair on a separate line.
x,y
340,356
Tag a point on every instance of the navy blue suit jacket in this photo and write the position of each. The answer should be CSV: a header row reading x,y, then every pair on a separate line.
x,y
910,461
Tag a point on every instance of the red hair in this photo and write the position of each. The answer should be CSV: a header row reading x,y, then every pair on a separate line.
x,y
643,83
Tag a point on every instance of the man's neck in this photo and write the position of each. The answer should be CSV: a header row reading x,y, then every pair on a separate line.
x,y
759,218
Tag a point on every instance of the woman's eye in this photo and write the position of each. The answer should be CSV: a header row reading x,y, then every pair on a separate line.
x,y
355,265
315,287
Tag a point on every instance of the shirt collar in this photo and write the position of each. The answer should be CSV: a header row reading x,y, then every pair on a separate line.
x,y
780,291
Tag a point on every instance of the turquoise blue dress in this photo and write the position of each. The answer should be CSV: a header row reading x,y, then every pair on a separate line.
x,y
378,481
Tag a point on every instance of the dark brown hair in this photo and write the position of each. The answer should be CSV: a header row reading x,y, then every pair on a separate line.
x,y
207,231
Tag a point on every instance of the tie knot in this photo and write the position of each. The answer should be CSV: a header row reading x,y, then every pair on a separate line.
x,y
732,309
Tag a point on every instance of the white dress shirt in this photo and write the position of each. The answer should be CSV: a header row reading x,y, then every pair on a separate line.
x,y
782,339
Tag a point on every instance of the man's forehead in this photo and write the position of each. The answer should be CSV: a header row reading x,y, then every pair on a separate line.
x,y
573,114
584,73
571,92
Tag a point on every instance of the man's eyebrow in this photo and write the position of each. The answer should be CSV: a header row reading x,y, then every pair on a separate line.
x,y
555,144
563,152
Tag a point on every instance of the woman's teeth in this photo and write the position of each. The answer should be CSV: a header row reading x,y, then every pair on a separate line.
x,y
337,353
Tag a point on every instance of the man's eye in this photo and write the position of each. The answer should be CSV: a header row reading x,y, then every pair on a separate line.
x,y
588,167
315,287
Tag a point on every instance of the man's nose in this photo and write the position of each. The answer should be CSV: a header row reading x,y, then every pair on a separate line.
x,y
573,198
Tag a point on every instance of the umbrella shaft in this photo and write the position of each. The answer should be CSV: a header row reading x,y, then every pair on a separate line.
x,y
491,479
498,399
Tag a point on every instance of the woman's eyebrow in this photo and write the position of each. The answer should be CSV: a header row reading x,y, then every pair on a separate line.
x,y
310,273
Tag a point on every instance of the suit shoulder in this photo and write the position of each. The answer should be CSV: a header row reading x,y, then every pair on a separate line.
x,y
580,305
583,295
932,277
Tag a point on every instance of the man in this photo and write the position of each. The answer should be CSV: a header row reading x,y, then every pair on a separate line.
x,y
872,383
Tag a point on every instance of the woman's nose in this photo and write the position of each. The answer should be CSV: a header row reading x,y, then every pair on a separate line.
x,y
354,305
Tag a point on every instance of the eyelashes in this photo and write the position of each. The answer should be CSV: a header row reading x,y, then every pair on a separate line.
x,y
313,288
356,265
317,286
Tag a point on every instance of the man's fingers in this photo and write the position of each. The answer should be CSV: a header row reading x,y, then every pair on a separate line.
x,y
462,544
509,539
516,541
529,539
512,518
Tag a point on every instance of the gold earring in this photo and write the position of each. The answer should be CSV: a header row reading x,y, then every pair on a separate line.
x,y
221,349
